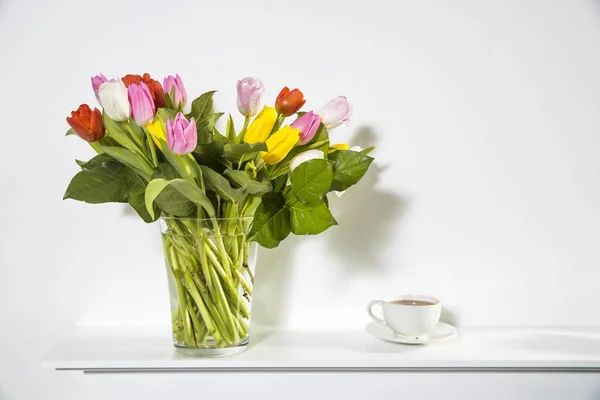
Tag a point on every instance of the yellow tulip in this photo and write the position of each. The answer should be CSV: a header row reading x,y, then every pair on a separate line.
x,y
279,144
341,146
156,133
260,129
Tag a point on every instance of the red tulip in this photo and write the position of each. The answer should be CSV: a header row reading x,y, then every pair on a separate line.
x,y
129,79
156,89
288,102
87,123
158,94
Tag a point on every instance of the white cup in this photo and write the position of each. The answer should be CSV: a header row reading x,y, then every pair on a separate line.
x,y
408,315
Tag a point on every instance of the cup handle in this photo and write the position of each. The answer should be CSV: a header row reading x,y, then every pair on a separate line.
x,y
373,316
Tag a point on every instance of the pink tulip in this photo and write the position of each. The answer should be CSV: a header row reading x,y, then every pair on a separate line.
x,y
336,112
173,86
181,134
142,104
308,124
96,82
249,93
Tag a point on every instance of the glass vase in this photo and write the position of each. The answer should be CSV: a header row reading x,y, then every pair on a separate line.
x,y
210,267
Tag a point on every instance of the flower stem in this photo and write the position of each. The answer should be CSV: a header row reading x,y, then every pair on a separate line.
x,y
152,150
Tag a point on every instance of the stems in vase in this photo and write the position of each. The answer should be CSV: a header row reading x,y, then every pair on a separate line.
x,y
207,260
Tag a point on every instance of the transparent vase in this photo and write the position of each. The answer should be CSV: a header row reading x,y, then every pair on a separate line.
x,y
210,271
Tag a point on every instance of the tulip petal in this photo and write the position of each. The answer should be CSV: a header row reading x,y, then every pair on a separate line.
x,y
113,96
289,102
142,104
249,94
260,129
306,156
181,134
279,144
87,123
308,124
336,112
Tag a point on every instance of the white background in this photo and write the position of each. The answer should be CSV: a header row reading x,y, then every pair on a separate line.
x,y
485,190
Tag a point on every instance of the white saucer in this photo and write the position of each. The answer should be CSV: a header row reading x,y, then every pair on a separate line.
x,y
443,331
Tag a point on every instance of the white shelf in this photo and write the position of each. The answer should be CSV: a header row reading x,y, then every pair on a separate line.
x,y
483,349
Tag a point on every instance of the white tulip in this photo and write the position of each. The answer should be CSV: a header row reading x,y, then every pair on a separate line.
x,y
336,112
113,97
306,156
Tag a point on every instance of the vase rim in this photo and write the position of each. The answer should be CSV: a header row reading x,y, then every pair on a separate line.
x,y
206,219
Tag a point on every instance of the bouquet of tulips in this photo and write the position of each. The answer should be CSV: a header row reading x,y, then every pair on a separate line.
x,y
216,191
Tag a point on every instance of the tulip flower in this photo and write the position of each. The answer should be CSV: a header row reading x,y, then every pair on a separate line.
x,y
341,146
96,82
181,134
260,129
87,123
279,144
336,112
156,89
156,133
249,93
113,97
308,124
174,87
131,78
288,102
142,104
306,156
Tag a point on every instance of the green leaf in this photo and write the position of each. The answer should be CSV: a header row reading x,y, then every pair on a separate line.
x,y
188,189
216,117
170,200
101,184
169,101
217,183
136,188
367,150
70,132
247,184
239,153
202,106
271,221
138,131
164,114
118,133
311,180
211,154
202,111
130,159
310,219
230,129
320,140
95,161
348,168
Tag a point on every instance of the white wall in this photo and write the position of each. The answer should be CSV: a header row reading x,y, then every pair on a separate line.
x,y
485,191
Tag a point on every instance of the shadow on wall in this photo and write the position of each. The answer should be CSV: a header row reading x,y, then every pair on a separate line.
x,y
273,280
365,215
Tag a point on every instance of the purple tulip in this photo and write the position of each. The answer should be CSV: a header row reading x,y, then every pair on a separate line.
x,y
308,124
142,104
336,112
96,82
175,89
249,93
181,134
